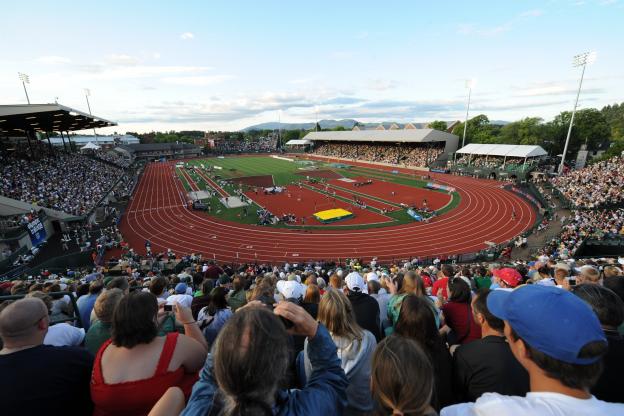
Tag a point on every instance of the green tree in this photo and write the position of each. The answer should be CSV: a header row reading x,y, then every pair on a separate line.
x,y
529,131
438,125
590,126
479,130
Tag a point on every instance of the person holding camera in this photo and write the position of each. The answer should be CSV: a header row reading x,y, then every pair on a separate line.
x,y
136,366
249,361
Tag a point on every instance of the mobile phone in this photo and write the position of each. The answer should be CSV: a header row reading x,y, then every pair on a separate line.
x,y
572,282
168,308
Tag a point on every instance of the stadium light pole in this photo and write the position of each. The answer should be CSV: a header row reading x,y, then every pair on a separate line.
x,y
579,60
469,84
25,80
87,92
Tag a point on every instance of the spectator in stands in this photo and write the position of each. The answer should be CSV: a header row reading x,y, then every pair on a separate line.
x,y
487,365
100,331
402,378
588,274
204,299
374,289
120,283
441,285
237,297
311,300
481,278
416,322
85,303
364,306
562,355
180,296
135,353
459,327
507,278
247,377
214,316
609,309
61,334
355,349
37,379
213,271
158,287
412,284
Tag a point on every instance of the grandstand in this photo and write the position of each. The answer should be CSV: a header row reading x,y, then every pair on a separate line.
x,y
497,161
406,147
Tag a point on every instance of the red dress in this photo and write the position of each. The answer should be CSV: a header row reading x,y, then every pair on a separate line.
x,y
139,396
458,316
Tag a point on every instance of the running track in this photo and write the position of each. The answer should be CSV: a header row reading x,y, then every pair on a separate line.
x,y
157,212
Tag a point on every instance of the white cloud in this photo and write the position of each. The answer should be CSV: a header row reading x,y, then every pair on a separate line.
x,y
156,55
122,59
53,60
187,36
607,2
198,81
382,84
341,55
140,71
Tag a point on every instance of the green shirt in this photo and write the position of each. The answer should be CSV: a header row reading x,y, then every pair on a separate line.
x,y
237,299
97,335
483,282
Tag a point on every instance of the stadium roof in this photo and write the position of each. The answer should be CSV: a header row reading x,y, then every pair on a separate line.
x,y
392,136
14,119
295,142
509,150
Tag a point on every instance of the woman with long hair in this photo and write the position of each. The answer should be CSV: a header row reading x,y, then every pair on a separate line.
x,y
249,362
402,378
212,317
416,322
355,349
460,327
311,300
411,284
135,367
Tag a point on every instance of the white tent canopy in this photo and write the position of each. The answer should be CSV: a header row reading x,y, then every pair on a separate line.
x,y
506,150
90,146
296,142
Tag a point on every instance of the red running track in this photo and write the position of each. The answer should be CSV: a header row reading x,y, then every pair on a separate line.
x,y
156,212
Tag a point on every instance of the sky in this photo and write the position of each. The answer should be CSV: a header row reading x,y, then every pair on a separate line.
x,y
225,65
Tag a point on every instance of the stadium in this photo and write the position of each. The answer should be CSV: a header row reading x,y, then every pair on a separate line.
x,y
163,255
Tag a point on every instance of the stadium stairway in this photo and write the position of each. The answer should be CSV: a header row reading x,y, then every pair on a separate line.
x,y
538,239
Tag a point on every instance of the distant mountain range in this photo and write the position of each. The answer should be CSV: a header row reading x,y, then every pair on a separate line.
x,y
326,124
347,123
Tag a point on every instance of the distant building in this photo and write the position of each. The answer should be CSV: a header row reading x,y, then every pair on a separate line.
x,y
159,150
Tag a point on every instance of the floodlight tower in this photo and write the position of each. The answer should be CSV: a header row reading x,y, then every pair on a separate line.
x,y
469,84
87,93
579,60
25,80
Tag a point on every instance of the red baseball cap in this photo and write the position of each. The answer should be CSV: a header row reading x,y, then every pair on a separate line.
x,y
508,275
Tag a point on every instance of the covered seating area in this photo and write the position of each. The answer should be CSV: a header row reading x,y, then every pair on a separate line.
x,y
497,160
26,120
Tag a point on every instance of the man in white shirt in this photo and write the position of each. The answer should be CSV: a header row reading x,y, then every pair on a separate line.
x,y
560,343
181,296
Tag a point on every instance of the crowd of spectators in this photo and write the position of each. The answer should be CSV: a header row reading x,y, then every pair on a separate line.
x,y
70,183
259,145
594,186
318,338
583,225
411,154
113,157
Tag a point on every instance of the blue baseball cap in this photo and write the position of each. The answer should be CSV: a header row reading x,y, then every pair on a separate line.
x,y
181,288
549,319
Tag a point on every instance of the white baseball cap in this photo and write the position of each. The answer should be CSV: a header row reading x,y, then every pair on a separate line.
x,y
372,276
356,283
290,289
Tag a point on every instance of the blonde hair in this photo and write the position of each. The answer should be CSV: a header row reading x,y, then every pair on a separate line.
x,y
335,281
336,313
